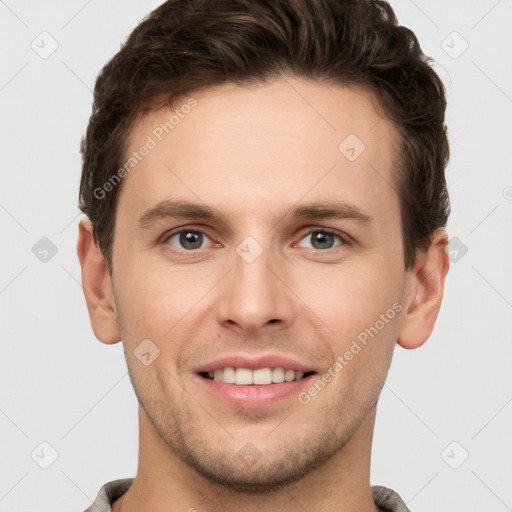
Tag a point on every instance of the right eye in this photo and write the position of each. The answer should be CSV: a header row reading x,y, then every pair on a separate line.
x,y
187,239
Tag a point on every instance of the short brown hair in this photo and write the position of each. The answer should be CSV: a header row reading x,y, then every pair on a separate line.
x,y
189,45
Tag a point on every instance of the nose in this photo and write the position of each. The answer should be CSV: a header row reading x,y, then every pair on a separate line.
x,y
254,298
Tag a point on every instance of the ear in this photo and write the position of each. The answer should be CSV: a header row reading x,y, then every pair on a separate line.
x,y
97,286
424,292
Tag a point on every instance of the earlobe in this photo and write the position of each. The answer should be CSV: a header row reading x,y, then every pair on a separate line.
x,y
97,286
425,293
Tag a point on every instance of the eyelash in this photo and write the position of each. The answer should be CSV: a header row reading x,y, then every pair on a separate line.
x,y
345,240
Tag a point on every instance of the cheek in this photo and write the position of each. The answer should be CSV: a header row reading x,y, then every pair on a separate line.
x,y
364,314
351,299
158,301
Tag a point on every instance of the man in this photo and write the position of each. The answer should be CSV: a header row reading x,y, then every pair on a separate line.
x,y
265,199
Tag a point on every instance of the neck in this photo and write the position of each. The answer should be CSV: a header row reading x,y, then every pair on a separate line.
x,y
164,482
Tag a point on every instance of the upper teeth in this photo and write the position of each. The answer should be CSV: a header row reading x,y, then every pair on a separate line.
x,y
244,376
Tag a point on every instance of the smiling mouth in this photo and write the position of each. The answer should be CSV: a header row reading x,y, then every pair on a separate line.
x,y
259,377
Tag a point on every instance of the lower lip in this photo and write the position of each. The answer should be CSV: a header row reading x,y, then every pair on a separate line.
x,y
255,396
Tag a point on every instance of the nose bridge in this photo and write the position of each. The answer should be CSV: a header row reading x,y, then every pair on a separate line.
x,y
253,297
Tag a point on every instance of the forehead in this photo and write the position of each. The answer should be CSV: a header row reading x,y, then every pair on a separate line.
x,y
252,148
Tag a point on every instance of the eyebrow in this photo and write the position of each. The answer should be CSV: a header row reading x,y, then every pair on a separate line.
x,y
318,210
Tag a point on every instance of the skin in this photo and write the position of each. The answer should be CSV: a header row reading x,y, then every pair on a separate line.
x,y
251,153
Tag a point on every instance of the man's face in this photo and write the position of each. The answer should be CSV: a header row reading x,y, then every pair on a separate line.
x,y
257,279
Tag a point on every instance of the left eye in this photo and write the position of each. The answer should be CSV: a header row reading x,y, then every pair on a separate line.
x,y
188,239
322,239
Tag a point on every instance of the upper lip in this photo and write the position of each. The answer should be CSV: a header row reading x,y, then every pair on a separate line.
x,y
254,362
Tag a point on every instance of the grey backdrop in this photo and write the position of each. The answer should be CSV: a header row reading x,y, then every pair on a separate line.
x,y
68,414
